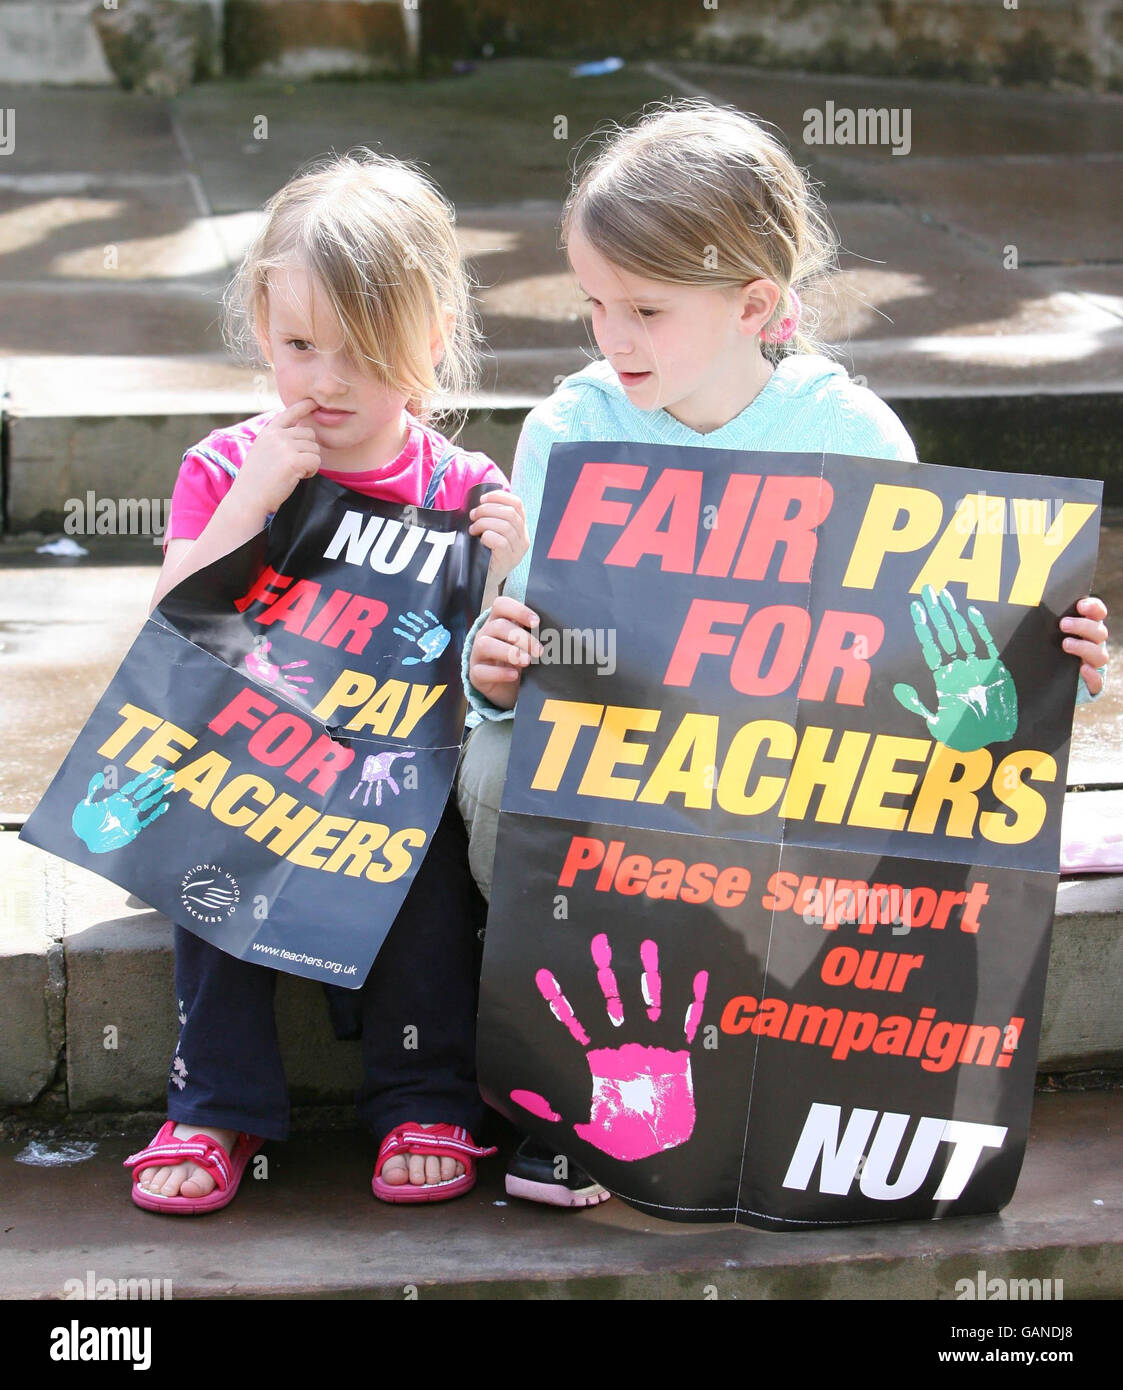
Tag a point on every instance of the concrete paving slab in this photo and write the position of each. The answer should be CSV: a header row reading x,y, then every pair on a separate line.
x,y
115,319
1001,204
487,137
942,365
496,142
64,631
841,180
945,367
1100,284
947,119
108,235
95,132
68,386
903,277
1040,170
120,1003
1097,737
528,297
308,1227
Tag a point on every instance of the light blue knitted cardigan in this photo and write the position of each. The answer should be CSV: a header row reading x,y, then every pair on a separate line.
x,y
808,405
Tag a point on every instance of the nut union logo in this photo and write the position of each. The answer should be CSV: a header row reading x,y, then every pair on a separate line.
x,y
209,893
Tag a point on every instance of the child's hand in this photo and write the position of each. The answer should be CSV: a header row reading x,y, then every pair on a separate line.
x,y
503,646
500,522
1086,637
284,452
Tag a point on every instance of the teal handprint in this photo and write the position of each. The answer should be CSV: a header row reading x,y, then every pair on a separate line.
x,y
118,819
976,702
432,636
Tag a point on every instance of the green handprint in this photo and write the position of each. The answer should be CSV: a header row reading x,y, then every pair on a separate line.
x,y
116,820
976,700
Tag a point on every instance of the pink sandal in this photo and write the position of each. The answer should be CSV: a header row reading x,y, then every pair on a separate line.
x,y
165,1151
443,1141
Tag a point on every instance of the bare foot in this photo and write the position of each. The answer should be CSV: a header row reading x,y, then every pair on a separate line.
x,y
186,1179
420,1169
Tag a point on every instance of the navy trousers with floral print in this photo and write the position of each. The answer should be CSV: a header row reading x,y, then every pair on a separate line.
x,y
418,1014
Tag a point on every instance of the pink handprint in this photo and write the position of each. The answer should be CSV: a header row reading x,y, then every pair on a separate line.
x,y
268,671
643,1097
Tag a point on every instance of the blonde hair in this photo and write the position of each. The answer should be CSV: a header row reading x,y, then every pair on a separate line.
x,y
378,237
696,194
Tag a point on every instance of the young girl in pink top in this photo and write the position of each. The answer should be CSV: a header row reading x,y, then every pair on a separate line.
x,y
354,294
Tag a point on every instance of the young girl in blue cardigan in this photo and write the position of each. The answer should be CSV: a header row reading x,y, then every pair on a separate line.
x,y
689,234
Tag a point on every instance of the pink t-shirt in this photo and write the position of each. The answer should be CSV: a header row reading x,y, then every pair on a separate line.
x,y
210,467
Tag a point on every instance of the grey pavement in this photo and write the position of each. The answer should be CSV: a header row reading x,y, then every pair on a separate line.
x,y
309,1226
121,219
111,364
924,301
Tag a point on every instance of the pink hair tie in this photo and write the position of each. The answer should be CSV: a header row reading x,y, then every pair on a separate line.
x,y
782,331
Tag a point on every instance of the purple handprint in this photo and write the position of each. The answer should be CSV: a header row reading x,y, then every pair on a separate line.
x,y
376,770
643,1097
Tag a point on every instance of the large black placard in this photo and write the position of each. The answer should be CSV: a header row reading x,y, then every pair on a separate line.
x,y
778,852
273,755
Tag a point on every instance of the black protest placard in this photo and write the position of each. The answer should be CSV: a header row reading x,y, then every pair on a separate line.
x,y
272,757
778,848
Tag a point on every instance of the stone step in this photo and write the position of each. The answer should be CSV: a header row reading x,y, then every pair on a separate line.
x,y
308,1227
118,427
90,1017
980,290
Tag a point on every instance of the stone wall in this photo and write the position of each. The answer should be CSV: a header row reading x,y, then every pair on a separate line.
x,y
311,38
160,46
1055,42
